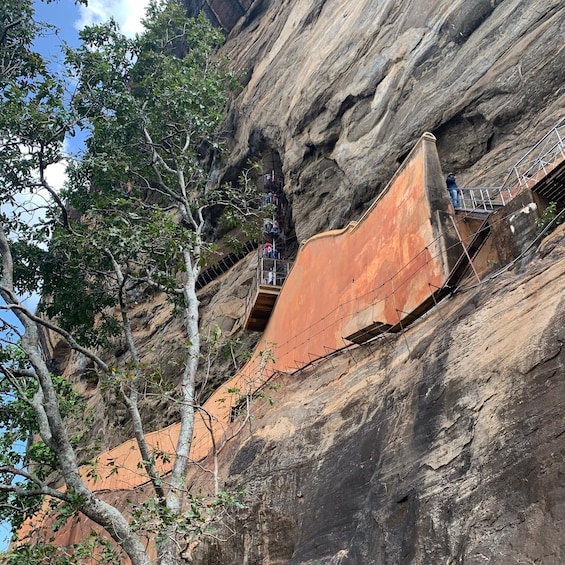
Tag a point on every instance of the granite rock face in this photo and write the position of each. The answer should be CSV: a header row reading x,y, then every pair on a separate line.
x,y
442,445
342,90
222,13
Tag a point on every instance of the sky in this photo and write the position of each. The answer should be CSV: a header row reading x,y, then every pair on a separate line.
x,y
69,19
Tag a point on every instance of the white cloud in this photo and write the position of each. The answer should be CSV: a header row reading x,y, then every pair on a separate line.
x,y
30,208
128,13
56,175
31,205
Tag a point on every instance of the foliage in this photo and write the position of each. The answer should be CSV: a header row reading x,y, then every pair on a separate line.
x,y
42,553
152,116
138,212
550,216
201,517
34,117
79,270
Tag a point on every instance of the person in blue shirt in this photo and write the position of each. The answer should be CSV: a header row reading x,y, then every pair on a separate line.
x,y
453,190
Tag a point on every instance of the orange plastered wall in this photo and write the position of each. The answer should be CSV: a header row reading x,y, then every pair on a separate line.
x,y
379,269
375,270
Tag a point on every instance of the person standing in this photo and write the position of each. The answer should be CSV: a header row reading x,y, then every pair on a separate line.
x,y
453,189
268,251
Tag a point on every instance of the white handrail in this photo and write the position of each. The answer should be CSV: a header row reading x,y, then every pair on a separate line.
x,y
534,165
541,157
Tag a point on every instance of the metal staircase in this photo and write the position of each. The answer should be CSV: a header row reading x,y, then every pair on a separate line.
x,y
541,169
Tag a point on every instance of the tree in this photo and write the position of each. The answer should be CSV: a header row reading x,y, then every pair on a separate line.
x,y
138,211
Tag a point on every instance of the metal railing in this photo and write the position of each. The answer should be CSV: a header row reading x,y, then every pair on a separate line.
x,y
270,272
483,198
224,263
540,160
273,271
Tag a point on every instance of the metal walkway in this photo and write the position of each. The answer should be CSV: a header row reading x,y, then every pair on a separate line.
x,y
541,169
224,264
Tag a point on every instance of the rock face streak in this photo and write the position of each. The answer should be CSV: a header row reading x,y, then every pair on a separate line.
x,y
342,90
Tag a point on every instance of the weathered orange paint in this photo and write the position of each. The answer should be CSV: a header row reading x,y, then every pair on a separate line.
x,y
377,269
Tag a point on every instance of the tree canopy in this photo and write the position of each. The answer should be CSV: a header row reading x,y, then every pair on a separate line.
x,y
138,211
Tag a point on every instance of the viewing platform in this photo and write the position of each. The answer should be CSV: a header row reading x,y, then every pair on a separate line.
x,y
271,274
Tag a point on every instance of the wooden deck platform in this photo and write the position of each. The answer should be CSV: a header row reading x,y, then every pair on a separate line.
x,y
261,306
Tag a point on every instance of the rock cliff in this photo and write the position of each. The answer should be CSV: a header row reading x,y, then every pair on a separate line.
x,y
342,90
444,444
441,445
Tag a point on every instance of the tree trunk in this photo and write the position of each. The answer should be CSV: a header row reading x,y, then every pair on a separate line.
x,y
53,430
167,547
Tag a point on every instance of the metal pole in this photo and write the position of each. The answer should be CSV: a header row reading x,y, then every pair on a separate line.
x,y
465,249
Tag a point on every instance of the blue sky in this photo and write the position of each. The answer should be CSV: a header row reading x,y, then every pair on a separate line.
x,y
69,19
